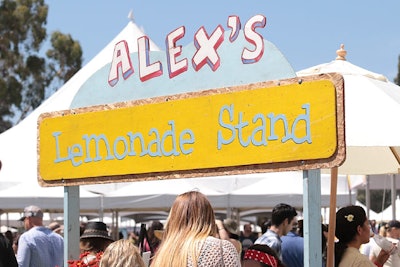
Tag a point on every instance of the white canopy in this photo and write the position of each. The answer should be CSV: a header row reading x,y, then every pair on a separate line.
x,y
244,192
18,152
48,198
387,214
372,110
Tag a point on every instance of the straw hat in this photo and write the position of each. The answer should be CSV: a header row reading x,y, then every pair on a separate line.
x,y
231,226
159,234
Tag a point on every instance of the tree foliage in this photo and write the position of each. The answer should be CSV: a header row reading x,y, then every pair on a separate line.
x,y
26,74
397,78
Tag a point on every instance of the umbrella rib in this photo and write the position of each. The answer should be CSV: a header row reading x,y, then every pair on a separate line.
x,y
395,153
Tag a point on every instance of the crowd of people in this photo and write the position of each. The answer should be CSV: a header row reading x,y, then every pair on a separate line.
x,y
193,236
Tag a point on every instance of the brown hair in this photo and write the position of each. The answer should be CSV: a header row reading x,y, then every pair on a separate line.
x,y
190,221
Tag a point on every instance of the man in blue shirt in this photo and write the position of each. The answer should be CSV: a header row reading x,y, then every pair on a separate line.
x,y
283,217
39,246
293,248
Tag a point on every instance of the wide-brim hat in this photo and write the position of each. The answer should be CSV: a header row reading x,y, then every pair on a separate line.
x,y
231,226
96,229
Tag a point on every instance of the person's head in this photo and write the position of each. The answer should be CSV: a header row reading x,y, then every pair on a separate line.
x,y
382,230
121,253
191,220
33,216
283,217
191,212
95,237
155,226
247,228
261,255
351,221
9,236
300,229
295,226
56,228
352,226
232,227
393,229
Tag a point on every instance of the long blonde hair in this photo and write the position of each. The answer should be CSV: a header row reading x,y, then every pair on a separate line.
x,y
191,220
121,253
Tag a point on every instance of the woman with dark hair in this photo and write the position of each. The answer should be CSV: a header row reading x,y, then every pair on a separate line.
x,y
353,230
261,255
153,242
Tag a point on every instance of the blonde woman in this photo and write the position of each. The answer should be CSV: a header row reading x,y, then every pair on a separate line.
x,y
122,253
188,239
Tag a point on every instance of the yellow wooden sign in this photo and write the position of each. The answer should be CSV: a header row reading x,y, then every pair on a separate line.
x,y
286,124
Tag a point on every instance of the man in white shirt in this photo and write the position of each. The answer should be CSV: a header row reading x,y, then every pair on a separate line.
x,y
39,246
393,235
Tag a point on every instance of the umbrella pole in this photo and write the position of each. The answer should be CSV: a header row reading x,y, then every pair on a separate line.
x,y
332,219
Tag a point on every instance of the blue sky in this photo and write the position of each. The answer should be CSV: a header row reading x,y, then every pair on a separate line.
x,y
307,32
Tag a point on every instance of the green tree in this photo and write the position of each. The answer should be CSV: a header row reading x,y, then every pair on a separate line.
x,y
397,79
25,74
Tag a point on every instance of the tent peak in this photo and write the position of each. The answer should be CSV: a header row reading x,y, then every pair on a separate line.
x,y
341,53
130,16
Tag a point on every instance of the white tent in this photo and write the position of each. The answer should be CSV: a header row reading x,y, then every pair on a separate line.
x,y
242,192
387,214
30,193
18,152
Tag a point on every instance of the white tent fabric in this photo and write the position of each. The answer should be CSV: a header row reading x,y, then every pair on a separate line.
x,y
243,192
30,193
387,214
372,214
18,152
372,107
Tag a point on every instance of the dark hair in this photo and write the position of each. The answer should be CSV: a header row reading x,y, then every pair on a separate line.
x,y
347,221
154,242
265,226
281,212
94,244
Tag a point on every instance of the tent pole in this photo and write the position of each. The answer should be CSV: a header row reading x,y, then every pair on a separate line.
x,y
368,194
393,191
332,219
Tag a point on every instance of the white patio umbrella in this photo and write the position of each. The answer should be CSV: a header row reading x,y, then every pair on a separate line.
x,y
372,108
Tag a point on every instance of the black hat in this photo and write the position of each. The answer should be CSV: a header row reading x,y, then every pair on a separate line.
x,y
394,223
96,229
32,211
